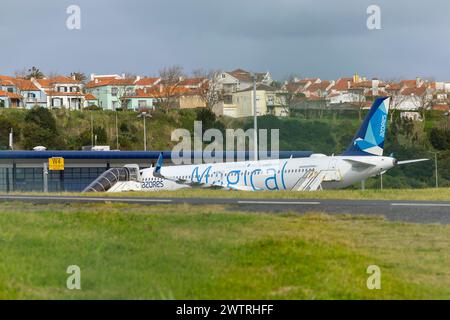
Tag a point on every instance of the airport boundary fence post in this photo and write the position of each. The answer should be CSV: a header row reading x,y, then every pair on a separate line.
x,y
436,169
45,177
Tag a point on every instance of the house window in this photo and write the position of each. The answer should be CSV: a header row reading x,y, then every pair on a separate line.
x,y
56,102
31,95
114,91
228,99
142,103
10,90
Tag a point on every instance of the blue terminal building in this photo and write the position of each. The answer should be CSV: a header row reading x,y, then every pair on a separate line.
x,y
22,171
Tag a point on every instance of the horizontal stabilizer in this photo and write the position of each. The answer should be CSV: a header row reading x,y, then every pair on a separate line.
x,y
359,163
411,161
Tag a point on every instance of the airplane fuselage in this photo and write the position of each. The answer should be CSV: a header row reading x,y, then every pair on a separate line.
x,y
272,175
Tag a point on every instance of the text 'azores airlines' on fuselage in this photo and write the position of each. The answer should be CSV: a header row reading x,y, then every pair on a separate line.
x,y
362,159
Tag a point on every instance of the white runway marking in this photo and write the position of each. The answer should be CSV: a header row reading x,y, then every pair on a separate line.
x,y
421,204
85,198
277,202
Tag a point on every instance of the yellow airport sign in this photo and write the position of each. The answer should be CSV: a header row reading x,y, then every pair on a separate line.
x,y
56,163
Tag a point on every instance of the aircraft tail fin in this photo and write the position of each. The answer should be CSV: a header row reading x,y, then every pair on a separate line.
x,y
369,140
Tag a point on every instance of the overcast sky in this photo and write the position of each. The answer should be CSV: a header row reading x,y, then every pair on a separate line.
x,y
321,38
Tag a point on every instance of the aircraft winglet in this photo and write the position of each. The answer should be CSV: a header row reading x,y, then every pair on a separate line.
x,y
159,163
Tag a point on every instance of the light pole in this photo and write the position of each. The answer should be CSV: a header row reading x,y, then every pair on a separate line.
x,y
255,120
117,132
92,130
145,114
381,180
435,167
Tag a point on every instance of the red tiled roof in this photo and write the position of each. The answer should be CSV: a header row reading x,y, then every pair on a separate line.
x,y
441,107
246,76
409,83
25,85
148,81
318,86
49,82
46,83
191,82
393,86
110,82
414,91
10,95
342,84
90,96
63,79
294,87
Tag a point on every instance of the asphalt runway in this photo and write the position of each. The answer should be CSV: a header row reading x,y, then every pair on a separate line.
x,y
408,211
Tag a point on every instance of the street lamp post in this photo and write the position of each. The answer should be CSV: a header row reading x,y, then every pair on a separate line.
x,y
255,120
144,115
435,167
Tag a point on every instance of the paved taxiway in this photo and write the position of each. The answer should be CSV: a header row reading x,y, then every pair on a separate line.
x,y
409,211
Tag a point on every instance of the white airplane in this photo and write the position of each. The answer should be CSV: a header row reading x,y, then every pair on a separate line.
x,y
362,159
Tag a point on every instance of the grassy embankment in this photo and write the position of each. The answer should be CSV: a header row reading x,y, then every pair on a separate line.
x,y
184,252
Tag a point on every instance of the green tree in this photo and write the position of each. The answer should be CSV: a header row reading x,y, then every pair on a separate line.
x,y
439,139
79,76
40,129
85,138
34,72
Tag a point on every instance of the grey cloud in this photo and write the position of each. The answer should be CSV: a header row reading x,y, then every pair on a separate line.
x,y
324,38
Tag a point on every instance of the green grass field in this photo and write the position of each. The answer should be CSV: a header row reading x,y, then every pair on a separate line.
x,y
212,252
432,194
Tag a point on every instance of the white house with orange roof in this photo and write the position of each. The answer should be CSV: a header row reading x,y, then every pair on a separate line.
x,y
239,79
32,95
61,92
340,93
147,82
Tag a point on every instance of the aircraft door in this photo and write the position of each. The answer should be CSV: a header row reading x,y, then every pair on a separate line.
x,y
332,164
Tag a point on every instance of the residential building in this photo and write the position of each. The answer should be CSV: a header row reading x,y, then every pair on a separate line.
x,y
340,93
269,100
147,82
90,100
10,99
110,90
239,79
140,99
413,98
32,95
318,89
61,92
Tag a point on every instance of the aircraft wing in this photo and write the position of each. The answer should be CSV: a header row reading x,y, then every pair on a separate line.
x,y
193,184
